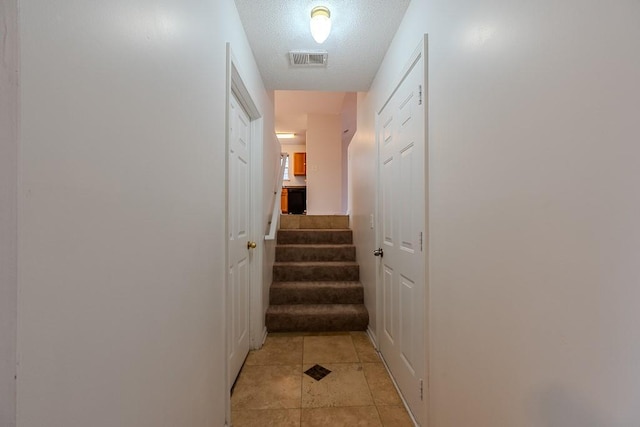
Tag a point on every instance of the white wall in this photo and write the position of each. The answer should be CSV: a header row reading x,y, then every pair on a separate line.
x,y
9,106
349,117
271,180
362,199
534,165
324,153
271,166
121,235
294,181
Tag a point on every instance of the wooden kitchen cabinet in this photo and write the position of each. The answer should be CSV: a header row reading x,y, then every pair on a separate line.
x,y
299,164
284,201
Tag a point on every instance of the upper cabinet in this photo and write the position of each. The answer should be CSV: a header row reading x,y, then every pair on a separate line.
x,y
299,164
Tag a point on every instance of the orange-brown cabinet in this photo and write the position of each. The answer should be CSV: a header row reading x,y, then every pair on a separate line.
x,y
284,201
299,164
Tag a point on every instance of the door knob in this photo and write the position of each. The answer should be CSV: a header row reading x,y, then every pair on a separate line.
x,y
379,252
251,245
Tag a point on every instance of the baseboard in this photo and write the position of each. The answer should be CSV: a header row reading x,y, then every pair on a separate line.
x,y
264,336
372,337
395,384
258,341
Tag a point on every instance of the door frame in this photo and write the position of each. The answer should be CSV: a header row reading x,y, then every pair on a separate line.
x,y
235,85
421,51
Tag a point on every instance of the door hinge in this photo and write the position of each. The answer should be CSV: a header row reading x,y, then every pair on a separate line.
x,y
421,241
420,95
421,390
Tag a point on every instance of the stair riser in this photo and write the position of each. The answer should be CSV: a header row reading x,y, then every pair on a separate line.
x,y
314,221
314,237
301,254
317,323
316,296
289,273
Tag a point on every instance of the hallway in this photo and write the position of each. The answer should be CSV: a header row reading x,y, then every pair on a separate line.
x,y
273,389
115,219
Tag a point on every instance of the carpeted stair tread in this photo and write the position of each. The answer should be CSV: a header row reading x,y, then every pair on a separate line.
x,y
314,263
317,317
315,229
314,221
283,293
316,271
315,236
316,245
310,283
316,279
315,252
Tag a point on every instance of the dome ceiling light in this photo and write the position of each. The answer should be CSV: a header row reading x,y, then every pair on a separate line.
x,y
320,23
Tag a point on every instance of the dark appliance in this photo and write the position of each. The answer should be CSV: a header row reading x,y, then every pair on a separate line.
x,y
297,200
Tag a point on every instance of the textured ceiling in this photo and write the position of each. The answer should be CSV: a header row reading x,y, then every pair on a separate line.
x,y
361,33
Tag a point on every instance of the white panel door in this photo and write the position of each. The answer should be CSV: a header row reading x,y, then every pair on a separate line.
x,y
401,223
238,301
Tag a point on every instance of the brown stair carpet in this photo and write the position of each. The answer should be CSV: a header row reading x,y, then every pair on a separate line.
x,y
315,277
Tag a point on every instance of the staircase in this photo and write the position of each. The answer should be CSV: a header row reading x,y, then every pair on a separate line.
x,y
315,277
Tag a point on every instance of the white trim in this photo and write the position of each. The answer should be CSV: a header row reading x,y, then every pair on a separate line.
x,y
372,337
415,57
421,51
256,316
242,93
277,194
264,337
237,87
404,402
427,233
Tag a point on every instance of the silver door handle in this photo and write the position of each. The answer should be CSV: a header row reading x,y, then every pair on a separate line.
x,y
379,252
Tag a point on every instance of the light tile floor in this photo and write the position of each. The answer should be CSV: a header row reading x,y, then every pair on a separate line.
x,y
272,389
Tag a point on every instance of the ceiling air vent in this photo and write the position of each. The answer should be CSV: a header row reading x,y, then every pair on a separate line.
x,y
308,58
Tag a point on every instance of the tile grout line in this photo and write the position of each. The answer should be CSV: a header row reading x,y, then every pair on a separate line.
x,y
361,353
369,386
301,379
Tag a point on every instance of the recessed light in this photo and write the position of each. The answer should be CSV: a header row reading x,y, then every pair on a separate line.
x,y
285,135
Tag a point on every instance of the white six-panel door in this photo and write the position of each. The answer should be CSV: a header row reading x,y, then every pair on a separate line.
x,y
238,296
401,230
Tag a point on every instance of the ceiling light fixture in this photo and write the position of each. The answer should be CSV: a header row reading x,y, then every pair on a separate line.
x,y
320,23
282,135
